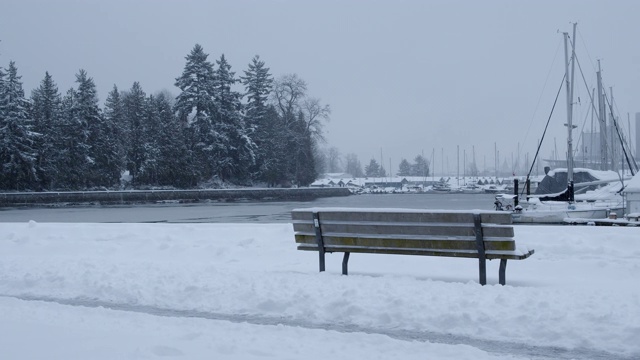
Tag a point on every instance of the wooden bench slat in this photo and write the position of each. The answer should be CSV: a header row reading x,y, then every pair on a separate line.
x,y
309,235
444,229
403,242
401,215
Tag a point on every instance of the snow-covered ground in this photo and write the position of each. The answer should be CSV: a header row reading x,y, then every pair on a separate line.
x,y
243,291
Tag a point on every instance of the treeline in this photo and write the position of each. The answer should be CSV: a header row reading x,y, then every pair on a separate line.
x,y
420,167
352,166
210,134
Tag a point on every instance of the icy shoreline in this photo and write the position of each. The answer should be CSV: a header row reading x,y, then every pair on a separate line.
x,y
159,196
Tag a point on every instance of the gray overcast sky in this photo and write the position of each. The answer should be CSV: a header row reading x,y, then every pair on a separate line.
x,y
404,77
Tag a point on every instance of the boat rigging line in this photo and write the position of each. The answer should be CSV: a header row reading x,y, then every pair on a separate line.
x,y
545,130
615,125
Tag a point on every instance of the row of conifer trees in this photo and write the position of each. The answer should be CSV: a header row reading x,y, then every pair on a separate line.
x,y
209,135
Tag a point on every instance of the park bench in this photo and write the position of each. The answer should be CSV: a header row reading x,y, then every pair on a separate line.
x,y
468,234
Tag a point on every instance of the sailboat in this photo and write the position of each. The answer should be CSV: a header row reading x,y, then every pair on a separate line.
x,y
564,205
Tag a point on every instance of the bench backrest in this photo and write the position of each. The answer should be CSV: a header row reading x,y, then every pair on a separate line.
x,y
404,231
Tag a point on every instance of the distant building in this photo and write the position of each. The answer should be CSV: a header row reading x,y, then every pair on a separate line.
x,y
590,153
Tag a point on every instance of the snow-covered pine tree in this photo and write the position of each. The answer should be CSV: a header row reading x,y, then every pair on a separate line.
x,y
194,108
135,103
234,149
258,84
115,116
72,148
46,113
405,168
151,143
17,153
103,166
174,165
373,169
382,172
108,160
420,166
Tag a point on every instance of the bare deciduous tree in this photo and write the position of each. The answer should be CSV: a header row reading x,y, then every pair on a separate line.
x,y
314,114
288,90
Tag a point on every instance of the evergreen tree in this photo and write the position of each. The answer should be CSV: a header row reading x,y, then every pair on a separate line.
x,y
258,84
17,138
103,166
151,143
195,102
107,154
173,166
405,168
135,105
115,116
373,169
46,114
382,172
195,106
234,149
420,166
72,147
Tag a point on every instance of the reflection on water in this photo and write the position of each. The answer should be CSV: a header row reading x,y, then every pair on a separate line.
x,y
241,212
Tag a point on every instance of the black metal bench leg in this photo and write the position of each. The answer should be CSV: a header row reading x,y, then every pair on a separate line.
x,y
482,259
345,262
483,271
321,259
319,240
503,270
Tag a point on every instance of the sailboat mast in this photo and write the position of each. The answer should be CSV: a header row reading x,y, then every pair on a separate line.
x,y
614,131
602,119
569,85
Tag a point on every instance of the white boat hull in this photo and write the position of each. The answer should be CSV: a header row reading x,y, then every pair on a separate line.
x,y
552,214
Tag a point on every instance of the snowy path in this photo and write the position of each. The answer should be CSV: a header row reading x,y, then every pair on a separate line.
x,y
40,330
495,347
